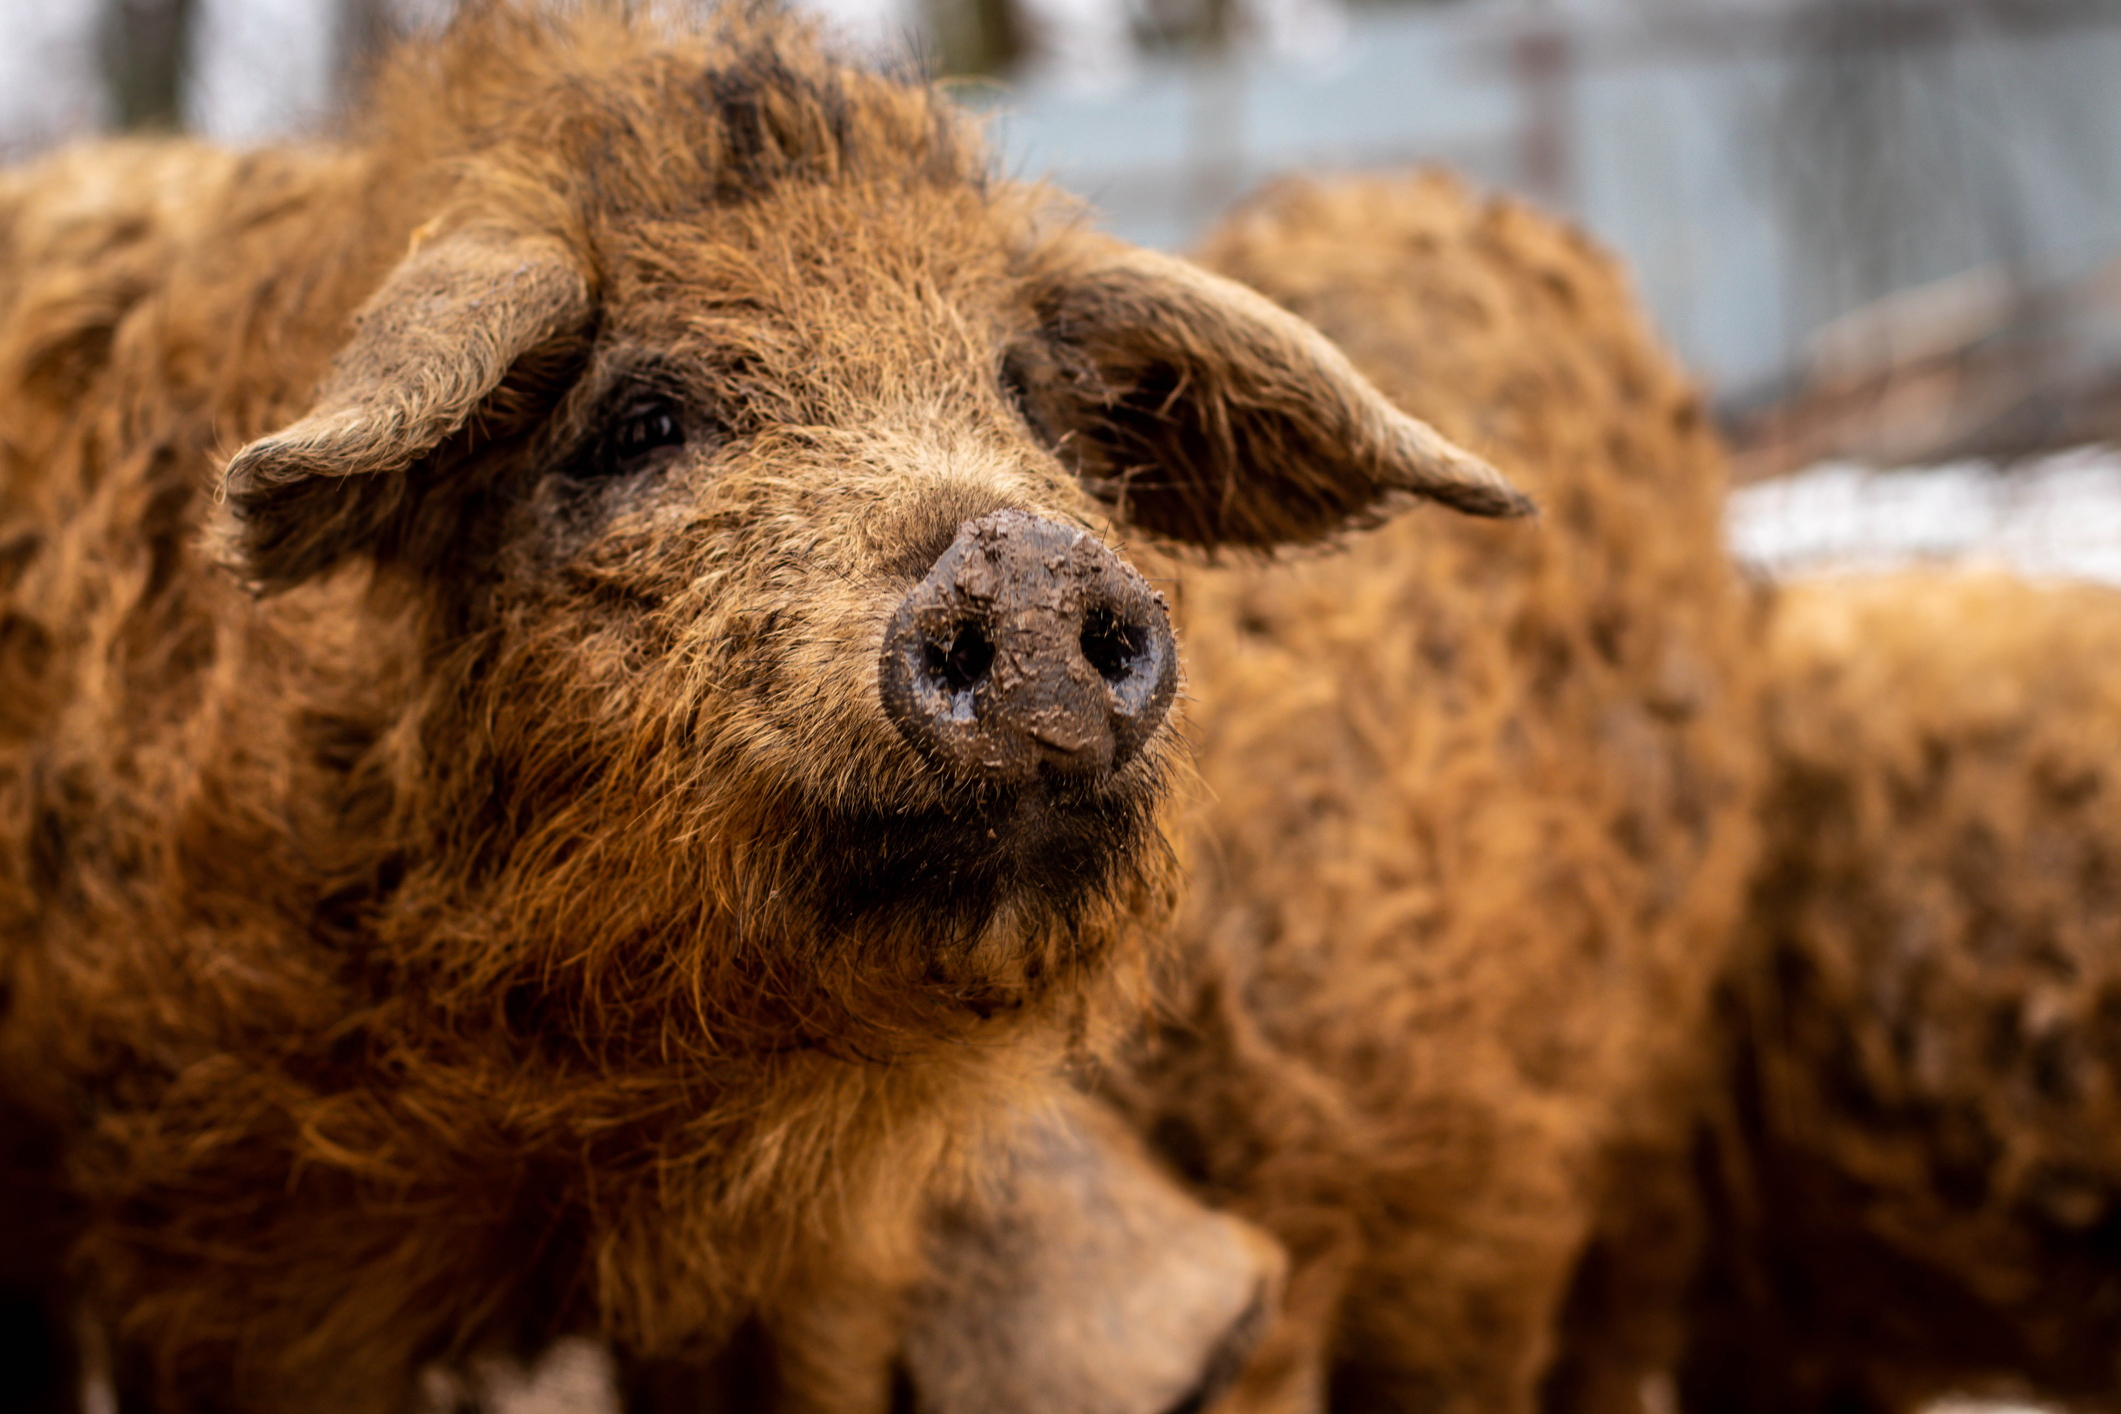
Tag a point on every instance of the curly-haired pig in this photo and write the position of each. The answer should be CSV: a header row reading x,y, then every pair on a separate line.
x,y
576,723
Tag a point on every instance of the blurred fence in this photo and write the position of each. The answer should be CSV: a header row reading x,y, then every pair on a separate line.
x,y
1766,169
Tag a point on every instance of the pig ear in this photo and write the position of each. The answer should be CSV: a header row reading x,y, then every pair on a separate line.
x,y
1204,412
428,349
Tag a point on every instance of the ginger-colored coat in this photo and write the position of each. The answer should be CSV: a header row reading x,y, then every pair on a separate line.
x,y
1744,1019
1475,837
1919,1188
457,883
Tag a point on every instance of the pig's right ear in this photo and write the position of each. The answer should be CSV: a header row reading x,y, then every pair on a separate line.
x,y
429,348
1204,412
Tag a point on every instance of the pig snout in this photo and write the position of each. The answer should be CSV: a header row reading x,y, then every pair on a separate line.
x,y
1028,646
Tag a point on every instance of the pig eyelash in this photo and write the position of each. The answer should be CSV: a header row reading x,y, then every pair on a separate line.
x,y
642,433
1015,383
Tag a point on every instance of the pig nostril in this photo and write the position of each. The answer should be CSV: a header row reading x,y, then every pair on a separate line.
x,y
964,662
1112,646
1028,653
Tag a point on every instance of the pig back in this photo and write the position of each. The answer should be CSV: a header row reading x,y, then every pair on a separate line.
x,y
1476,820
1920,1037
159,301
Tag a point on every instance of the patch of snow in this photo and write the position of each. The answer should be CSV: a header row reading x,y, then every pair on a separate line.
x,y
2056,515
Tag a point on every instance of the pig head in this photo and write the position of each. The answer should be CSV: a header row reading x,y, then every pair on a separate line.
x,y
784,653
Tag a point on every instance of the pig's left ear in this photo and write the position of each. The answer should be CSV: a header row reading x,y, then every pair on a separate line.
x,y
429,350
1206,413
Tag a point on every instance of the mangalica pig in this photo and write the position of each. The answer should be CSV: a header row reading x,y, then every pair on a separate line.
x,y
1917,1180
576,725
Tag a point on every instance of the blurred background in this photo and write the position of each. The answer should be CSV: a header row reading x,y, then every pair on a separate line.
x,y
1883,232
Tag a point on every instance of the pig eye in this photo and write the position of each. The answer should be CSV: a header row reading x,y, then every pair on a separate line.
x,y
631,440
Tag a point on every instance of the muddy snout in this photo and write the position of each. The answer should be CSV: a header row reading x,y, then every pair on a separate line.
x,y
1028,646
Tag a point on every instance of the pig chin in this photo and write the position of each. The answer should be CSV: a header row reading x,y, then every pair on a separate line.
x,y
1049,846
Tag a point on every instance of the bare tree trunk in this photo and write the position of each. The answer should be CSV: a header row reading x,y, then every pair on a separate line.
x,y
144,44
